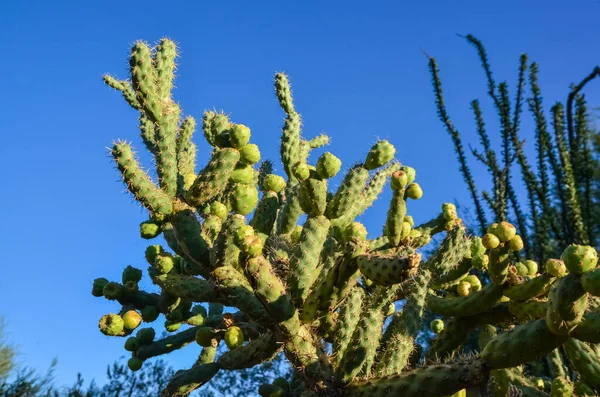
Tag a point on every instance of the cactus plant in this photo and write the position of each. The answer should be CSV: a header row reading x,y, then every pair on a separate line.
x,y
319,291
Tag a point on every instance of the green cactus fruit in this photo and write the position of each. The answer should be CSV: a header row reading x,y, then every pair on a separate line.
x,y
399,180
414,191
204,336
145,336
410,172
505,231
250,154
239,136
149,314
164,262
556,268
172,326
436,326
390,309
301,171
252,246
579,258
244,199
492,228
130,273
591,282
132,344
98,287
405,231
176,316
490,241
131,319
480,262
522,270
409,219
149,230
111,324
152,252
474,281
113,291
532,266
515,243
195,320
295,235
328,165
379,155
274,183
135,364
355,231
201,310
243,174
234,337
463,288
241,233
219,210
561,387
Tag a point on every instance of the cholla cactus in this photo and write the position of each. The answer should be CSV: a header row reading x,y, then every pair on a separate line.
x,y
320,291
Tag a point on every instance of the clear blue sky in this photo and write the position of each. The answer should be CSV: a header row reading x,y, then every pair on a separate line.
x,y
358,73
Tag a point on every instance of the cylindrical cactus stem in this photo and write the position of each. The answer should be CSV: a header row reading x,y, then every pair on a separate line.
x,y
397,211
303,354
399,337
138,182
349,317
290,139
434,380
224,251
164,63
348,193
318,141
186,381
475,303
585,361
186,153
567,302
313,195
521,345
306,259
166,148
188,234
266,213
125,87
290,211
499,264
143,78
213,179
448,256
556,364
531,288
211,226
528,310
255,352
587,330
272,293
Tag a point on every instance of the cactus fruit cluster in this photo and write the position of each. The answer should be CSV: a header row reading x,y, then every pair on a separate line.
x,y
271,264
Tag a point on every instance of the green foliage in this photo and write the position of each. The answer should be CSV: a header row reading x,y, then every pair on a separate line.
x,y
318,292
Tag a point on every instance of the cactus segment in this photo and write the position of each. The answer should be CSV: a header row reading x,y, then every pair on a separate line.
x,y
379,155
591,282
567,302
212,180
254,352
388,270
531,288
585,360
244,199
348,193
475,303
579,258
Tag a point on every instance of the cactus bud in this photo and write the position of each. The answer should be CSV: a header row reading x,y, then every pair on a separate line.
x,y
134,364
234,337
328,165
195,320
474,281
436,326
579,258
244,199
152,252
132,344
556,268
241,234
380,154
145,336
243,174
522,270
131,319
111,324
405,231
131,274
410,172
250,154
409,219
252,246
274,183
480,262
149,314
477,247
532,267
219,210
355,230
204,336
164,262
98,287
301,171
149,230
490,241
113,291
515,243
414,191
505,231
464,288
492,228
239,136
399,180
449,211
